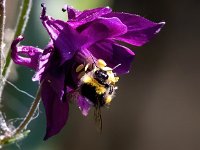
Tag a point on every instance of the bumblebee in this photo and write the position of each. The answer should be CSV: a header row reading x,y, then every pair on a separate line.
x,y
97,84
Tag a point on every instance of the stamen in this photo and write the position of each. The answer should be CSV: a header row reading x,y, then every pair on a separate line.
x,y
79,68
86,67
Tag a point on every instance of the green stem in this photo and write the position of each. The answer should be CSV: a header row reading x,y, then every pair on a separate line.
x,y
2,23
30,114
21,24
12,136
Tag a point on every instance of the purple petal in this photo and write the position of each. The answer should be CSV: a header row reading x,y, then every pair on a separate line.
x,y
56,110
87,16
113,54
50,70
72,12
25,55
84,105
66,40
54,74
140,30
103,28
44,62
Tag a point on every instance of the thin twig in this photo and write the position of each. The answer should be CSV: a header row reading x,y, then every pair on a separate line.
x,y
3,126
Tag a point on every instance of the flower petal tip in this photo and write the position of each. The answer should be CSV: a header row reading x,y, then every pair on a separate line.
x,y
65,7
20,37
163,23
16,41
43,13
161,26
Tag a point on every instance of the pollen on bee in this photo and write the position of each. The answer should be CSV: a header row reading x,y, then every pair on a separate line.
x,y
107,69
101,63
108,99
113,79
100,90
87,79
87,66
116,79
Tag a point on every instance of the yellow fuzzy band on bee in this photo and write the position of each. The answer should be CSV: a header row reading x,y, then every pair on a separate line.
x,y
100,89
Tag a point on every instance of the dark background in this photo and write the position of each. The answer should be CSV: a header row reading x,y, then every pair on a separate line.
x,y
157,106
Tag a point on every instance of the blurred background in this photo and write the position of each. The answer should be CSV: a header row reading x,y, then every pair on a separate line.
x,y
157,106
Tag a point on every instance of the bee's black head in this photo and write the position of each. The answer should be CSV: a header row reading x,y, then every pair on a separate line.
x,y
101,76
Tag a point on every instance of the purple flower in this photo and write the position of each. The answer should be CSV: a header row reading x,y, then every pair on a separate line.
x,y
87,35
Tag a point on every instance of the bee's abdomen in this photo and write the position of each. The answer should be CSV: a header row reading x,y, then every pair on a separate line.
x,y
89,92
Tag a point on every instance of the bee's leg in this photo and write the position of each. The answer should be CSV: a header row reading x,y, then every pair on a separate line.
x,y
106,85
111,89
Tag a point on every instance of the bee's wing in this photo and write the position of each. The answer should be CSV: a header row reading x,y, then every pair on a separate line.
x,y
73,96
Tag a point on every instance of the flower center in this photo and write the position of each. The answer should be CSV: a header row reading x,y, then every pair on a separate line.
x,y
97,82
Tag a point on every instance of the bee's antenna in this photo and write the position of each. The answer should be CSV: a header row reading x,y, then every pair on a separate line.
x,y
93,60
116,66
